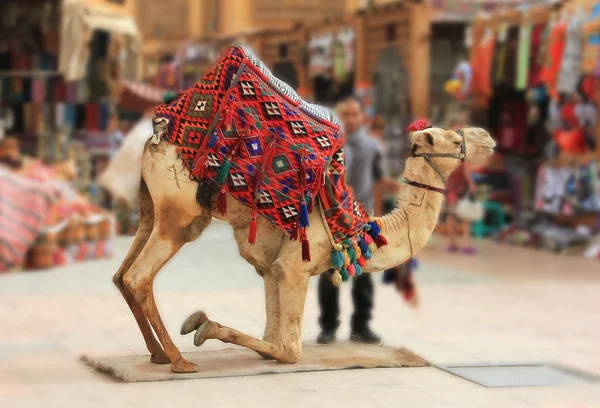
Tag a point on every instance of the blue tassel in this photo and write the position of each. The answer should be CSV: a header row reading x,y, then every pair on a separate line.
x,y
358,269
364,248
367,254
374,231
337,260
345,274
303,214
213,140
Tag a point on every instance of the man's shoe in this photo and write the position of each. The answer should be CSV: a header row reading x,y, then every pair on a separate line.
x,y
326,337
365,336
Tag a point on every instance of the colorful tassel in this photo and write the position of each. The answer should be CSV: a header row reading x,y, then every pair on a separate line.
x,y
362,261
336,277
229,117
311,204
223,172
367,254
252,230
358,269
303,214
381,241
305,247
346,259
362,244
294,233
337,259
374,231
222,201
345,275
357,250
370,243
213,139
351,254
351,270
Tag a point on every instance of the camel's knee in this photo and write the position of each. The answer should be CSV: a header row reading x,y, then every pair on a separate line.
x,y
290,354
118,279
138,287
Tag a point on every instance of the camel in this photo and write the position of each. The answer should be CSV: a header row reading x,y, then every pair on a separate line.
x,y
170,218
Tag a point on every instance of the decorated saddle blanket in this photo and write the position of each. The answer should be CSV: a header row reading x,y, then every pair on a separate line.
x,y
243,132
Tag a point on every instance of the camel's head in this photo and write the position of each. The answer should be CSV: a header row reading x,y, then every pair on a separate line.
x,y
446,148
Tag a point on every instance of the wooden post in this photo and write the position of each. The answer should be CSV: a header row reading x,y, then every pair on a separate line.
x,y
419,46
360,58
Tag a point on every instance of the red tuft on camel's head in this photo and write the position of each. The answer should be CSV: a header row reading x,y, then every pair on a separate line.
x,y
419,124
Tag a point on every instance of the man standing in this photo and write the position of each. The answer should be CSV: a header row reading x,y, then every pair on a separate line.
x,y
364,167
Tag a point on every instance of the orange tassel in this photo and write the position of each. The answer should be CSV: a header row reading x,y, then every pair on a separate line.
x,y
252,232
222,201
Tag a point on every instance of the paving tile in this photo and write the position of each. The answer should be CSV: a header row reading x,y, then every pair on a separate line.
x,y
500,306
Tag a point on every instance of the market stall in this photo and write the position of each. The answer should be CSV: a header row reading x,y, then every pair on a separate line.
x,y
60,66
535,83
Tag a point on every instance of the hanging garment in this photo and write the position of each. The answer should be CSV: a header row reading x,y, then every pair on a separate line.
x,y
464,74
591,48
537,49
512,45
556,45
320,56
482,64
338,61
347,38
499,59
570,68
523,58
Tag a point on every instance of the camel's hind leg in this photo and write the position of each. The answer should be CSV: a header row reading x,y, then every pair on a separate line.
x,y
288,347
146,223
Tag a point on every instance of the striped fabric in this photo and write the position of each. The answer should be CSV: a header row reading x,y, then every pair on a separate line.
x,y
24,206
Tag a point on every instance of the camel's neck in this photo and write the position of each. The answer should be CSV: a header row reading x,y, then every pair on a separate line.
x,y
408,227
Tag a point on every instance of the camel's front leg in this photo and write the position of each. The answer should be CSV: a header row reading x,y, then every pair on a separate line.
x,y
286,349
139,281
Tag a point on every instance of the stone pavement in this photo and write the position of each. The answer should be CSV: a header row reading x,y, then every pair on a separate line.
x,y
504,306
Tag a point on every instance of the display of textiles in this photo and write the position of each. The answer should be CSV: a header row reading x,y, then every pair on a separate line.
x,y
568,190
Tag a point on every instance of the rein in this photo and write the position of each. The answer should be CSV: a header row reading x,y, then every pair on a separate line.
x,y
428,156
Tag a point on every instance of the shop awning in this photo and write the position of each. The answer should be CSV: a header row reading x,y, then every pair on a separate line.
x,y
466,10
139,97
79,21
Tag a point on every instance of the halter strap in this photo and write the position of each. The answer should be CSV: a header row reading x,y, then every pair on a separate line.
x,y
424,186
427,156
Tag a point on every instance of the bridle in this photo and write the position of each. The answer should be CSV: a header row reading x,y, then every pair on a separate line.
x,y
428,156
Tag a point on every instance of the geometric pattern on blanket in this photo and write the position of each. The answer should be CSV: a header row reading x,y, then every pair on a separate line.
x,y
251,135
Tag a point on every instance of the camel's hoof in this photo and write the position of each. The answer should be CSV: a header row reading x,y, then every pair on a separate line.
x,y
193,322
160,358
265,356
207,330
183,366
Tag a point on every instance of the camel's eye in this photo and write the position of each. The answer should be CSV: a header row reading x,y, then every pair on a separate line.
x,y
428,138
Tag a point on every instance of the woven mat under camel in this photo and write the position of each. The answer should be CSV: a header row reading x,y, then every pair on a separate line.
x,y
242,362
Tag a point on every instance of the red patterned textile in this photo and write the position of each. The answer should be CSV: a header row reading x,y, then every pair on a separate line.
x,y
262,144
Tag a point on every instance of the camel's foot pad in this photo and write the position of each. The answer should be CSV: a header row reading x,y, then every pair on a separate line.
x,y
234,362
